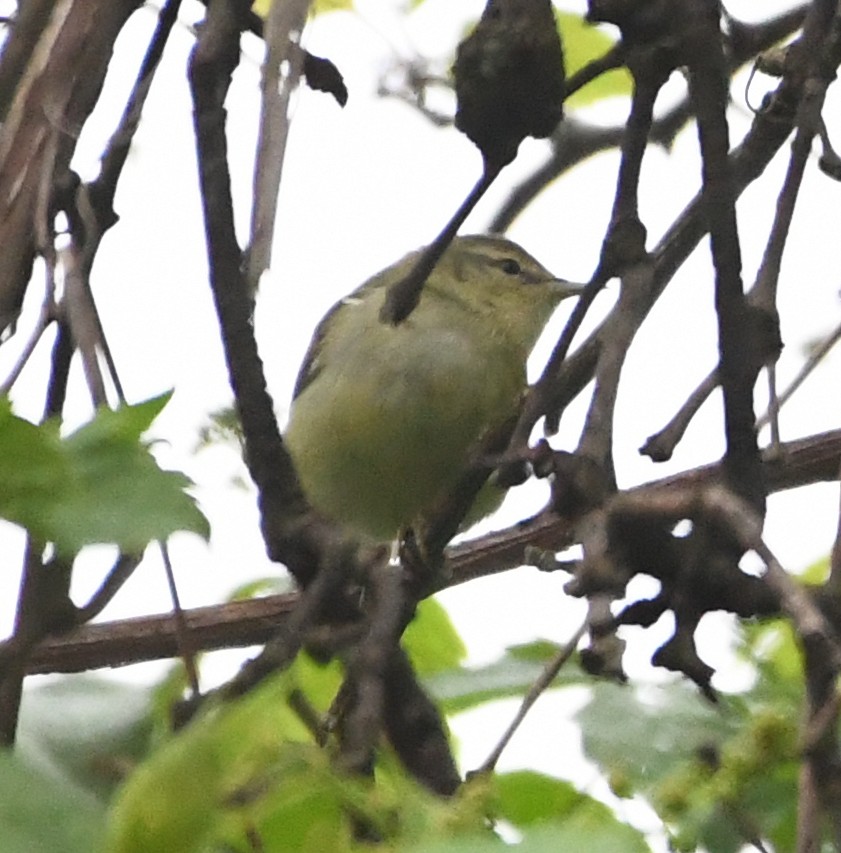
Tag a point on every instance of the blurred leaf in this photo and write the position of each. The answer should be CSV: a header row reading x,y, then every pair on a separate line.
x,y
738,795
573,821
582,831
244,774
185,795
301,804
235,767
421,821
317,7
526,797
463,688
317,682
582,44
85,730
771,646
431,641
644,735
553,812
538,650
41,815
223,427
816,573
464,844
100,484
718,777
270,585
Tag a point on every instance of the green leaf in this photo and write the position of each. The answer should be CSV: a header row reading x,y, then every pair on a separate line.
x,y
552,812
659,729
816,573
231,768
85,730
41,815
317,7
527,797
432,641
223,427
258,587
34,469
98,485
582,44
540,651
247,771
463,688
584,831
717,776
463,844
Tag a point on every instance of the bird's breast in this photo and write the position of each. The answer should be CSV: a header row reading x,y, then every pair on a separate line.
x,y
379,435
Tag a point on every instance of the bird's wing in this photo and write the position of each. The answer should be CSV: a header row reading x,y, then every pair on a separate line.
x,y
313,360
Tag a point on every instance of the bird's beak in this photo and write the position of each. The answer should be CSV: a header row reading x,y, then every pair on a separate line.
x,y
568,288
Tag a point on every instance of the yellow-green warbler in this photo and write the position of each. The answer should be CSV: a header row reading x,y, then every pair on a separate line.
x,y
384,417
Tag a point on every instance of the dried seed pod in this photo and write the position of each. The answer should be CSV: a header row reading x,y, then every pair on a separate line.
x,y
509,78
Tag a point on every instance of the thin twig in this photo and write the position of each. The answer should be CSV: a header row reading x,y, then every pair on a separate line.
x,y
537,689
281,71
45,317
186,647
120,572
816,356
246,623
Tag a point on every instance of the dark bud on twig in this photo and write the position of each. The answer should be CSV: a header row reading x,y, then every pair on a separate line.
x,y
323,76
509,78
772,61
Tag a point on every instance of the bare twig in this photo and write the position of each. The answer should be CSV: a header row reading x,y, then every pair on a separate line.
x,y
746,41
281,71
245,623
42,322
810,73
816,356
810,624
186,650
120,572
537,689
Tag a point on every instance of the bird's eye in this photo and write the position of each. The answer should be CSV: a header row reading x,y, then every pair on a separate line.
x,y
511,267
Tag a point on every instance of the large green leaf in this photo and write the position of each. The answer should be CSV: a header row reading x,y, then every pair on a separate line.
x,y
234,767
34,468
101,484
39,814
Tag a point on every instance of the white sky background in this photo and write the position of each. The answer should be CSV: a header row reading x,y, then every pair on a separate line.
x,y
361,187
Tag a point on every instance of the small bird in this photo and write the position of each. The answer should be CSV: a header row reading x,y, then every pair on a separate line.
x,y
384,418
